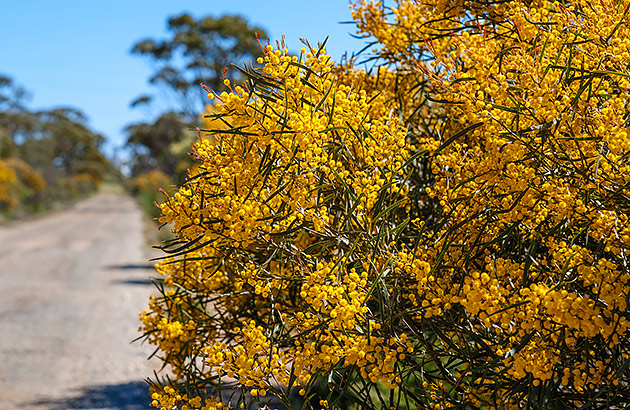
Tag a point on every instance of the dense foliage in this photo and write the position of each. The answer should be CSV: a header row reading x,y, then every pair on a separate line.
x,y
449,230
46,157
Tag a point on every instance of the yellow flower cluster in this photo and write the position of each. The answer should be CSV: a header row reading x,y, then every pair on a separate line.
x,y
168,398
253,362
172,321
532,172
337,316
261,290
311,130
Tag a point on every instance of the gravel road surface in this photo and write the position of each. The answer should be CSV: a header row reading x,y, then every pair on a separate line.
x,y
71,287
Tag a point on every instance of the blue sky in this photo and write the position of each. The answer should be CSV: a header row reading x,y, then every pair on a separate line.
x,y
76,53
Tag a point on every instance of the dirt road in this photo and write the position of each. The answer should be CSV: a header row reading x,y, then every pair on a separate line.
x,y
71,287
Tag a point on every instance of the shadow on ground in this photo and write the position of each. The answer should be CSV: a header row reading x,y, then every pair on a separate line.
x,y
143,281
124,396
134,282
147,266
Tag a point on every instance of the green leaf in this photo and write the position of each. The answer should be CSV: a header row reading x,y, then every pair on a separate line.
x,y
458,135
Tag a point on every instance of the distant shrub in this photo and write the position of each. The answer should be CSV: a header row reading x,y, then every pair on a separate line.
x,y
78,185
32,180
146,188
8,180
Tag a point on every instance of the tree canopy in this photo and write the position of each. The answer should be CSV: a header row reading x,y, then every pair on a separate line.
x,y
55,146
199,51
151,143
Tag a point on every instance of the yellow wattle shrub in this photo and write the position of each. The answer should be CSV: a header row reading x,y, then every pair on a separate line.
x,y
32,179
448,232
147,186
148,181
265,212
8,179
21,185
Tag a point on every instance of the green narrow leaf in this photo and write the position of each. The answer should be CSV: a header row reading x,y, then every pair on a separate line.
x,y
458,135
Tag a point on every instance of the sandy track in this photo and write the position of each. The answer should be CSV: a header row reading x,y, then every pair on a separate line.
x,y
71,287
